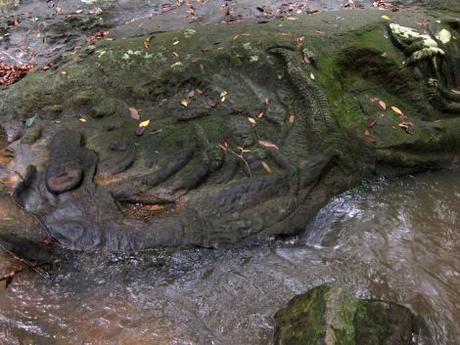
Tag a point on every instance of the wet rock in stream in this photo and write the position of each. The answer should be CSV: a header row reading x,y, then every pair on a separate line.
x,y
330,315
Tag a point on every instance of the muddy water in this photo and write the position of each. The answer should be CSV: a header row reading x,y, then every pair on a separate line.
x,y
395,240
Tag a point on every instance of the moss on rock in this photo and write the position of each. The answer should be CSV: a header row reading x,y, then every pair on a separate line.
x,y
330,315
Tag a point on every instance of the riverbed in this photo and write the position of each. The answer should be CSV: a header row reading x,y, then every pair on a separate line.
x,y
394,240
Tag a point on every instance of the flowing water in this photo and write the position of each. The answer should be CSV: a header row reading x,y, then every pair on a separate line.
x,y
395,240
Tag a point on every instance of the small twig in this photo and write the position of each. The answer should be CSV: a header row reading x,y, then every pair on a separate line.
x,y
240,156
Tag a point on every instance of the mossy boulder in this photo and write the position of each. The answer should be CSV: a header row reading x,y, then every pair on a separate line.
x,y
250,129
330,315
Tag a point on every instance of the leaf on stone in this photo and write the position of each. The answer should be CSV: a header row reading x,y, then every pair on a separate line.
x,y
407,126
369,137
140,130
397,110
267,144
382,105
30,121
266,167
134,113
444,36
371,123
184,103
144,123
251,120
223,96
212,103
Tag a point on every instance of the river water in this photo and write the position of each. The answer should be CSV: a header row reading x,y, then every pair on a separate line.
x,y
395,240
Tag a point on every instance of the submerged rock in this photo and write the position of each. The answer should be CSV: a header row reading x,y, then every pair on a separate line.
x,y
330,315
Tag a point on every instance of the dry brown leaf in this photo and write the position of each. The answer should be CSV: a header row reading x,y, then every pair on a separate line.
x,y
371,123
212,103
407,126
267,144
369,137
134,113
266,167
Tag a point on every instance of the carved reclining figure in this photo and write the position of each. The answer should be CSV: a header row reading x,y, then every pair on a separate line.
x,y
244,143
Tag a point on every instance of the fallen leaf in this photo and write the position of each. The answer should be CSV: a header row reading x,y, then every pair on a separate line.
x,y
268,144
444,36
134,113
382,105
261,114
251,120
144,123
457,92
82,119
140,131
407,126
184,103
266,167
291,119
223,96
369,137
312,76
386,18
397,110
299,41
371,123
191,94
212,103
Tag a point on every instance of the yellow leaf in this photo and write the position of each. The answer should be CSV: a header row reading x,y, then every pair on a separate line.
x,y
397,110
386,18
223,96
266,167
184,103
144,123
